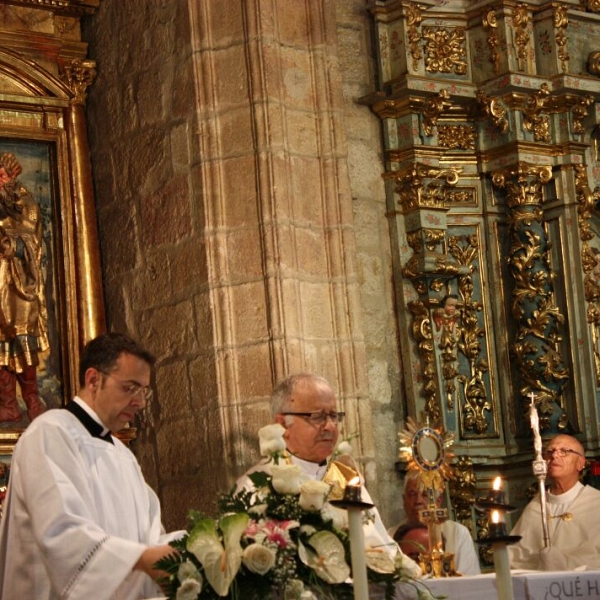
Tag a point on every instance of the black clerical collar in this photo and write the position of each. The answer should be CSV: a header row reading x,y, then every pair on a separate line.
x,y
94,428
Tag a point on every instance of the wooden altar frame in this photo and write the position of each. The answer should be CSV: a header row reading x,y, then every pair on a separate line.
x,y
39,110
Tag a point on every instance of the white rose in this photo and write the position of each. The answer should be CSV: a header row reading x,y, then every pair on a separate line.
x,y
286,479
188,570
344,448
271,439
337,515
312,495
258,510
189,590
258,559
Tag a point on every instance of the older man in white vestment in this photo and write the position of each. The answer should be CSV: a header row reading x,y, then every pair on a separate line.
x,y
305,405
79,521
573,510
457,538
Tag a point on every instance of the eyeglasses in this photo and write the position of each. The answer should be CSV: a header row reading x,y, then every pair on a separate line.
x,y
318,419
562,452
133,389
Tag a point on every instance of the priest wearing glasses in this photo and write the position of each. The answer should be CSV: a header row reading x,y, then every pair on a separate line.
x,y
79,521
573,510
305,405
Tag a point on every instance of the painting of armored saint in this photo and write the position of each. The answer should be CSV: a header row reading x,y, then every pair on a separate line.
x,y
29,342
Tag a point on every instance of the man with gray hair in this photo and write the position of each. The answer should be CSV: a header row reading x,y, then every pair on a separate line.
x,y
306,406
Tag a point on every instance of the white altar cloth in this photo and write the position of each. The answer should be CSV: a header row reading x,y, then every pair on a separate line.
x,y
527,585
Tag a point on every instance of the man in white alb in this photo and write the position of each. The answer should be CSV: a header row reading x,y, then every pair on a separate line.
x,y
305,405
457,538
573,521
79,521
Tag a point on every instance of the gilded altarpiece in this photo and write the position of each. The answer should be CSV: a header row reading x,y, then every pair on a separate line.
x,y
490,119
51,299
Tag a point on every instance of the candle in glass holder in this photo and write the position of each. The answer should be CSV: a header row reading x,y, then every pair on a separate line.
x,y
497,526
352,493
497,494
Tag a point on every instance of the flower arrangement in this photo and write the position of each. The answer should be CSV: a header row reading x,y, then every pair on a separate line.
x,y
280,539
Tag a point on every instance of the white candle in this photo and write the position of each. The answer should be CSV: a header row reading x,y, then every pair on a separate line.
x,y
502,568
357,551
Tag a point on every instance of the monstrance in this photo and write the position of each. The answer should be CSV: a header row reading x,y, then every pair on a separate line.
x,y
426,449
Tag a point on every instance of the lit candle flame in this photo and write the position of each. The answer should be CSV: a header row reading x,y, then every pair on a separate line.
x,y
495,516
497,483
354,481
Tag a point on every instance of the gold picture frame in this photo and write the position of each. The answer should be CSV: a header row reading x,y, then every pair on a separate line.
x,y
42,131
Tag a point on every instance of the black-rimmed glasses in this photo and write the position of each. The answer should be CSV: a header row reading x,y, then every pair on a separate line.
x,y
562,452
318,419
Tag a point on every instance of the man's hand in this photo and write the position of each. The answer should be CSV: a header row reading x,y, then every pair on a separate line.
x,y
150,557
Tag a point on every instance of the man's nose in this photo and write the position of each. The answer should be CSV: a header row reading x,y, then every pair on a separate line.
x,y
330,424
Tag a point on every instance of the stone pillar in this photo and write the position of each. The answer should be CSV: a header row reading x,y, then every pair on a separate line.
x,y
277,204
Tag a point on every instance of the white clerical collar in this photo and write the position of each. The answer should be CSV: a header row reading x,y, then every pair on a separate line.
x,y
88,409
566,497
317,470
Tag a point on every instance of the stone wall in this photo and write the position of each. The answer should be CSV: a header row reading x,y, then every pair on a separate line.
x,y
242,222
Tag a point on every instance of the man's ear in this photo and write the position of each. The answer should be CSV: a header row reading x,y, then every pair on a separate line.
x,y
92,378
281,420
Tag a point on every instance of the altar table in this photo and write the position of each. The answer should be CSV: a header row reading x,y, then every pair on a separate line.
x,y
527,585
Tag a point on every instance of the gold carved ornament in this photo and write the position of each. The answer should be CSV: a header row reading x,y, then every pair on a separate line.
x,y
521,21
460,137
593,62
462,487
533,122
422,334
79,75
494,110
413,22
476,403
580,112
590,260
446,319
445,50
422,186
490,24
433,109
561,21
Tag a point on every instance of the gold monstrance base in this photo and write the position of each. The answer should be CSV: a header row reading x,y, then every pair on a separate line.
x,y
438,563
